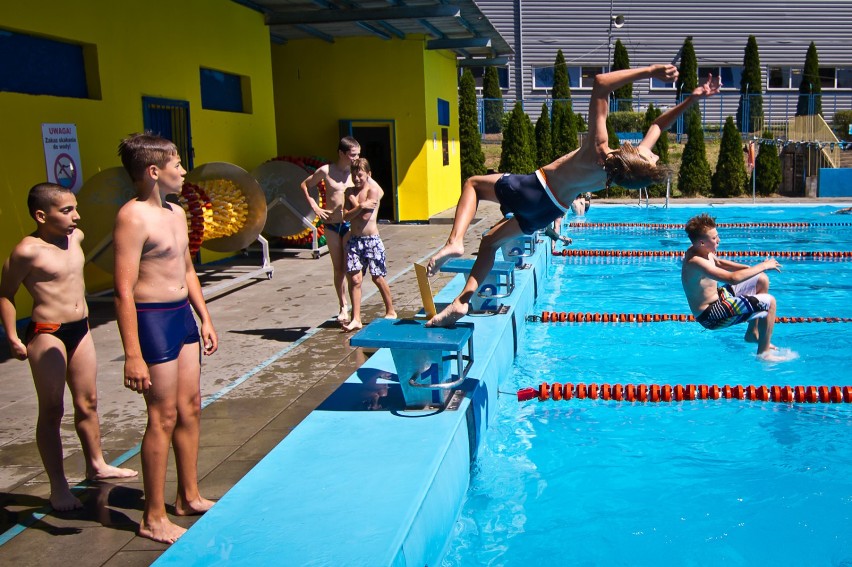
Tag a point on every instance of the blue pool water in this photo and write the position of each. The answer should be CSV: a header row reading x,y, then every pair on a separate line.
x,y
704,482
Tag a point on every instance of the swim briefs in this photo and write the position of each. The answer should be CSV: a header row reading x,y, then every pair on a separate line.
x,y
736,304
339,228
164,328
69,333
529,199
366,251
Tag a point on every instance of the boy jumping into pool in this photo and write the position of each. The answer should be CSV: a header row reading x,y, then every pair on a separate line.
x,y
155,285
539,198
58,344
744,296
365,249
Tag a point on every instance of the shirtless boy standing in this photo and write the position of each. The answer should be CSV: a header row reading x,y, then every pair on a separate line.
x,y
337,178
58,344
365,248
155,285
539,198
744,296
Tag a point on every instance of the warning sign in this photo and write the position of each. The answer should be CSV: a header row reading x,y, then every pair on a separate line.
x,y
62,155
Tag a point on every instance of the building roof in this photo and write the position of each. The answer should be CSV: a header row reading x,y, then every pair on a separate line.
x,y
456,25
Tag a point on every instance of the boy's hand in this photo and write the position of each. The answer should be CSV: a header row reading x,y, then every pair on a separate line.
x,y
323,214
209,338
136,375
18,348
711,87
666,73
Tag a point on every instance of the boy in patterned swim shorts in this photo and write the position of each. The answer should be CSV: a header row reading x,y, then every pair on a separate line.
x,y
365,248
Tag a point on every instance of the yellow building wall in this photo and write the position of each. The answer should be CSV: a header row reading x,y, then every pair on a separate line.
x,y
152,48
317,84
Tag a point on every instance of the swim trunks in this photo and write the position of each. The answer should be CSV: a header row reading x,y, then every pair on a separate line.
x,y
69,333
340,228
736,304
164,328
529,199
364,251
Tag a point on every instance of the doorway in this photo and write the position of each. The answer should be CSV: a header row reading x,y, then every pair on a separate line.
x,y
170,119
378,145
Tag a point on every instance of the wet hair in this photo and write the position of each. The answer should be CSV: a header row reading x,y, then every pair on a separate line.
x,y
43,196
626,167
699,225
360,164
347,143
139,151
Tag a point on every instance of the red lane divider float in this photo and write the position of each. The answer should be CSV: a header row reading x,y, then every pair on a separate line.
x,y
580,317
802,254
678,393
674,226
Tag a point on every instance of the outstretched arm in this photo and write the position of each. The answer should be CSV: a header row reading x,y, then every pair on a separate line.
x,y
667,118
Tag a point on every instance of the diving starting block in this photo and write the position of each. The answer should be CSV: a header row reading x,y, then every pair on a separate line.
x,y
499,283
519,248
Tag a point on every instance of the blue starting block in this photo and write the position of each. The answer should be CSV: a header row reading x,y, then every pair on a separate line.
x,y
499,283
423,357
519,248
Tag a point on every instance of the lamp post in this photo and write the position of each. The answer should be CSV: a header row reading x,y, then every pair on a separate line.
x,y
616,21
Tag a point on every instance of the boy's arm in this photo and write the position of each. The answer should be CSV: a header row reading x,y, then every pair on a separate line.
x,y
666,119
15,270
366,201
312,181
128,242
711,270
606,83
209,338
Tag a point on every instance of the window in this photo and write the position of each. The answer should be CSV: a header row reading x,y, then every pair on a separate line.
x,y
42,66
731,76
479,72
225,91
578,77
791,77
443,112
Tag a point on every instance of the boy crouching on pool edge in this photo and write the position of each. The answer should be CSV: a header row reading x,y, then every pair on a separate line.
x,y
744,296
365,249
58,344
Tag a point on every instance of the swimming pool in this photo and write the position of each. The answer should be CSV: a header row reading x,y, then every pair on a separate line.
x,y
592,482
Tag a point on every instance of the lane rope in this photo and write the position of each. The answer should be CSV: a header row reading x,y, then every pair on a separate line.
x,y
790,254
676,226
588,317
667,393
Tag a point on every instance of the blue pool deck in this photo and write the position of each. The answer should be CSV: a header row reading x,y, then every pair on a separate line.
x,y
362,480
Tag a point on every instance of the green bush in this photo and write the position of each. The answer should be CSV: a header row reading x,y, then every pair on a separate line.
x,y
842,120
493,101
543,146
767,167
515,155
472,160
694,175
729,179
627,121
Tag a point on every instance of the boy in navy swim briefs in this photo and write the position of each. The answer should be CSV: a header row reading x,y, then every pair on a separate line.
x,y
156,291
57,343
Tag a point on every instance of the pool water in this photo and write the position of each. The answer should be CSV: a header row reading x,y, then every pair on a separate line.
x,y
706,482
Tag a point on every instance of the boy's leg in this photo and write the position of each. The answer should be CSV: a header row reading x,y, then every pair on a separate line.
x,y
765,326
47,358
385,292
761,285
187,432
338,266
161,400
82,381
355,279
474,189
503,231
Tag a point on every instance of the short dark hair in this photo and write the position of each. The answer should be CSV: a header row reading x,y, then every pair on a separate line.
x,y
138,151
359,164
347,143
626,167
697,226
43,195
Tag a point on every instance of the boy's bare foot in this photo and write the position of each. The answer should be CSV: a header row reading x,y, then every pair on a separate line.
x,y
163,531
444,254
192,508
448,317
353,326
391,315
64,501
343,316
108,471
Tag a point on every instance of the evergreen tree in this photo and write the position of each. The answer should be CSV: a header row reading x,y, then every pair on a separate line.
x,y
767,167
810,89
543,146
694,175
492,97
563,134
687,79
661,148
515,154
611,137
472,159
730,178
624,94
751,88
532,147
561,89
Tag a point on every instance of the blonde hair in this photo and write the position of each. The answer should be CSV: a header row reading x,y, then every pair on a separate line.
x,y
626,167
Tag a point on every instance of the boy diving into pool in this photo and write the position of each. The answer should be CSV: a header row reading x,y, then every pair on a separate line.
x,y
743,297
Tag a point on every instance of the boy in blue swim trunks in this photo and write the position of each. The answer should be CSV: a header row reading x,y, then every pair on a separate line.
x,y
156,291
744,296
57,344
539,198
364,249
